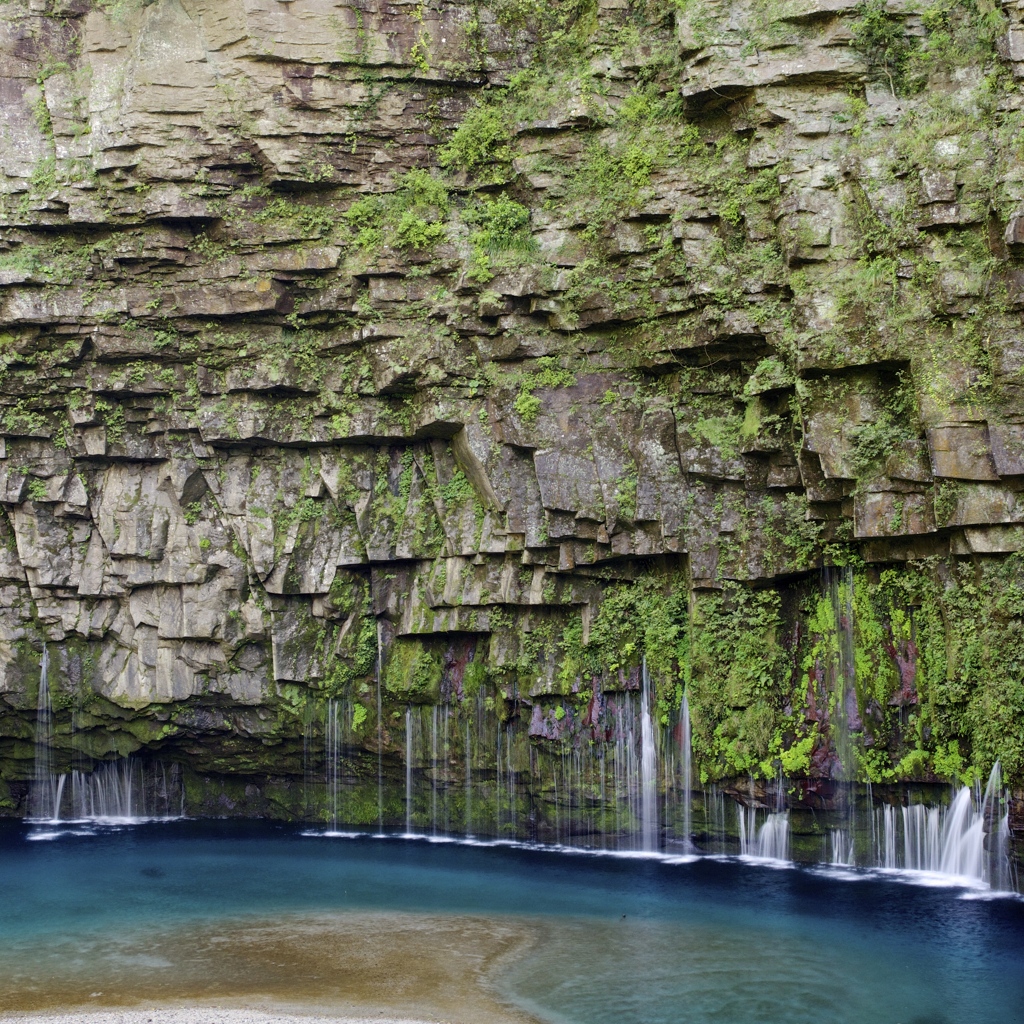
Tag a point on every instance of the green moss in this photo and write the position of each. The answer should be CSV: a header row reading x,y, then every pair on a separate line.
x,y
500,232
736,671
645,620
796,760
413,670
721,432
473,679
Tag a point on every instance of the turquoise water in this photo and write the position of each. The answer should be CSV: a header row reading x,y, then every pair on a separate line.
x,y
633,940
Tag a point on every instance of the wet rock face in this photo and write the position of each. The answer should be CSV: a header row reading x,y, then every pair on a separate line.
x,y
491,349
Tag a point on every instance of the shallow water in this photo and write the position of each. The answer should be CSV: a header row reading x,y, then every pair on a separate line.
x,y
603,939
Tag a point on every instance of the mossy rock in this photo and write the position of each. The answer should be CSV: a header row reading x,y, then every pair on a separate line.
x,y
413,671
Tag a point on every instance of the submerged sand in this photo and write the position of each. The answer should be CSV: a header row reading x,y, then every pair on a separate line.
x,y
350,967
194,1015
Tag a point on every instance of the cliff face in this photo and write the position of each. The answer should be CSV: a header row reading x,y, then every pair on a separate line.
x,y
518,343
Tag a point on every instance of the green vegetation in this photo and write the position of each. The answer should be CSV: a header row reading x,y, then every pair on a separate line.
x,y
480,143
121,9
754,346
882,37
37,489
958,33
874,442
643,620
500,228
413,671
547,375
736,677
411,217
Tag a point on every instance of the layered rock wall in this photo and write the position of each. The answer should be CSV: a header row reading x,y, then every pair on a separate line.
x,y
487,351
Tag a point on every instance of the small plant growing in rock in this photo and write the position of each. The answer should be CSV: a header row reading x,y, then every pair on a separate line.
x,y
412,217
481,140
882,38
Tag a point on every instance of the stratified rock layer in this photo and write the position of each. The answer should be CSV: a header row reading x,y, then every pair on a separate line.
x,y
488,351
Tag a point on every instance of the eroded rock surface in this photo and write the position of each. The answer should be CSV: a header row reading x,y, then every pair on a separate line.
x,y
533,337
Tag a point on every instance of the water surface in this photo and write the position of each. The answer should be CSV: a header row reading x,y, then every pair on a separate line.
x,y
577,939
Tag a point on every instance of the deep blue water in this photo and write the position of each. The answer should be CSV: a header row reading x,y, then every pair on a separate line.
x,y
632,940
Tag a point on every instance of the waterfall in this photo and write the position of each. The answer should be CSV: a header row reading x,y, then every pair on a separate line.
x,y
469,781
380,732
773,837
840,585
434,769
332,758
969,839
47,788
506,739
747,828
996,827
770,841
648,768
843,673
714,820
686,758
408,770
121,791
607,778
888,858
842,848
112,792
446,760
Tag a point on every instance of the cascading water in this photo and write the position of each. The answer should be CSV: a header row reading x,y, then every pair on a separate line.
x,y
888,832
603,789
592,798
125,791
608,777
969,839
434,770
686,760
770,840
122,791
773,837
841,848
408,771
380,730
332,758
648,768
47,788
842,675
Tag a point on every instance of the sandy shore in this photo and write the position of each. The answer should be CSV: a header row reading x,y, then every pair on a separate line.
x,y
195,1015
334,968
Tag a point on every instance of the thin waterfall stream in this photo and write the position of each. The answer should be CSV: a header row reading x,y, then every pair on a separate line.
x,y
47,787
648,768
378,673
122,790
408,771
966,838
467,773
686,758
